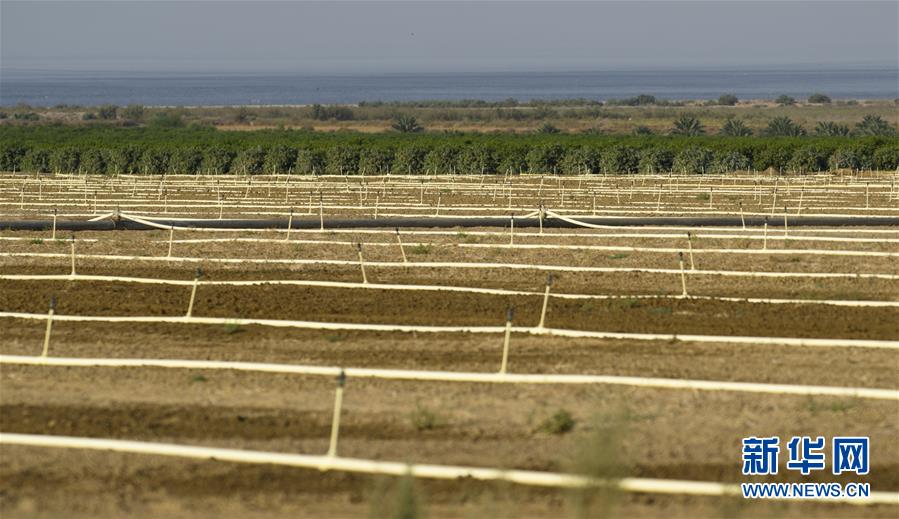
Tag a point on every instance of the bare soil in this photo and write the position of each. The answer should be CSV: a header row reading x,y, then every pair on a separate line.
x,y
641,432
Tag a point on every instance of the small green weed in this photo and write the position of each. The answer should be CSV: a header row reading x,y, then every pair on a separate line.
x,y
628,304
232,328
421,249
198,379
37,241
617,256
423,419
560,422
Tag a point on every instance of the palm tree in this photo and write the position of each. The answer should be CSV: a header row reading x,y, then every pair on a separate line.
x,y
407,124
874,125
735,128
783,126
687,125
643,130
831,129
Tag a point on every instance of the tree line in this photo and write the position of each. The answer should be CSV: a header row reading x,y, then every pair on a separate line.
x,y
207,151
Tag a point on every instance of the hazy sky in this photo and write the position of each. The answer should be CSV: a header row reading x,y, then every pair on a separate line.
x,y
414,36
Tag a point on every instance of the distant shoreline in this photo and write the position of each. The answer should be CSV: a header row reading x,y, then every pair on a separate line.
x,y
285,90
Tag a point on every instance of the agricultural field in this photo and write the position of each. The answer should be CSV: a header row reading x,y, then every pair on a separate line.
x,y
539,327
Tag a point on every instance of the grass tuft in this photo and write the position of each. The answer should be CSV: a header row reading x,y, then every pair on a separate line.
x,y
424,419
421,249
231,328
559,422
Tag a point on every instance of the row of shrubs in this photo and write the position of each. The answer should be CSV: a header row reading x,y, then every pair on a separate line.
x,y
472,158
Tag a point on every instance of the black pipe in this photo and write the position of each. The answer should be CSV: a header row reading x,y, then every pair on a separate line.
x,y
443,222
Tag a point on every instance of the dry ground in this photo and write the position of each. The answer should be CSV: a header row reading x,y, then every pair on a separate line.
x,y
642,432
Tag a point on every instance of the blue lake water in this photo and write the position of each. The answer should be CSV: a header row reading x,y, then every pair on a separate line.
x,y
49,89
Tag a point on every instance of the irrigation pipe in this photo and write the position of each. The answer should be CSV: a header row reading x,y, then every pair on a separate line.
x,y
338,463
433,288
418,264
555,332
455,376
534,246
138,223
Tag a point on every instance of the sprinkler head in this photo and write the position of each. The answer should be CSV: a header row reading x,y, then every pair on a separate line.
x,y
198,274
549,279
53,302
341,378
510,313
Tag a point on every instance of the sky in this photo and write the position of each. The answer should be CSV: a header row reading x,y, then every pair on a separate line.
x,y
374,36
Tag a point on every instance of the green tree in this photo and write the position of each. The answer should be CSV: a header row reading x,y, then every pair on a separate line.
x,y
342,160
154,161
410,160
727,100
544,158
655,160
619,159
874,125
785,100
36,160
107,112
548,128
93,161
124,159
186,161
735,128
166,120
513,159
133,112
477,159
694,159
773,157
831,129
249,161
441,160
844,158
819,98
310,161
11,156
376,161
886,158
729,161
808,159
687,125
65,160
279,159
783,126
406,124
580,160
